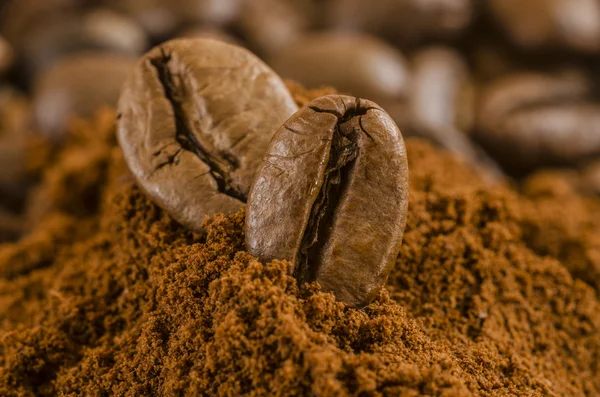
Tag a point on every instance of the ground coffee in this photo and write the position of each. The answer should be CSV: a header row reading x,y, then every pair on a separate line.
x,y
110,296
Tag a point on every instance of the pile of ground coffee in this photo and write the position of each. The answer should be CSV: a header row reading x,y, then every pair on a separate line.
x,y
109,296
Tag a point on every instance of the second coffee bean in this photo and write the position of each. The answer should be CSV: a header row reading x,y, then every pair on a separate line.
x,y
331,197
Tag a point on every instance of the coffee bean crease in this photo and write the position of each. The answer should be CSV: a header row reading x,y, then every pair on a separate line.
x,y
219,167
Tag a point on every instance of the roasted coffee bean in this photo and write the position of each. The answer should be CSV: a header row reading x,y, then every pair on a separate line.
x,y
442,93
403,21
270,25
530,120
77,86
357,64
96,30
19,16
556,134
441,107
532,23
160,18
195,119
525,90
331,196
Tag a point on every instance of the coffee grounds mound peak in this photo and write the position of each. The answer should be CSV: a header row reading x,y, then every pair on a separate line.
x,y
110,296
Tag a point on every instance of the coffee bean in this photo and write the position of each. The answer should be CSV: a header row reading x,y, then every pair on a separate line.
x,y
441,106
442,93
403,21
270,25
160,18
556,134
529,120
573,24
195,119
95,30
18,17
331,196
357,64
525,90
77,85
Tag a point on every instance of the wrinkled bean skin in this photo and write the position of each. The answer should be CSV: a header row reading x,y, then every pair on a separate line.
x,y
195,119
331,196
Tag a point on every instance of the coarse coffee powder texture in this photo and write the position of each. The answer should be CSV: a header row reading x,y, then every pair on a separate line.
x,y
493,293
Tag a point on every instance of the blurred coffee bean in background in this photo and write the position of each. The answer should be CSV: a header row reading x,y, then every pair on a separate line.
x,y
551,23
100,30
403,21
357,64
270,25
19,16
77,86
529,120
442,93
161,19
158,18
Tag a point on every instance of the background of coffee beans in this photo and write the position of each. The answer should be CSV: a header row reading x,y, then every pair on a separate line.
x,y
508,85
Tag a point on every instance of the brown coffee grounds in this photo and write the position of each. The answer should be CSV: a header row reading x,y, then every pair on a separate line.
x,y
562,222
109,296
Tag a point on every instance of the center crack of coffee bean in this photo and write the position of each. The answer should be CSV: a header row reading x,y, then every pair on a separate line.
x,y
219,167
344,150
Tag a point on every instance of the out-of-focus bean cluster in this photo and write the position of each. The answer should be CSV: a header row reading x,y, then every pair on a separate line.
x,y
507,85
